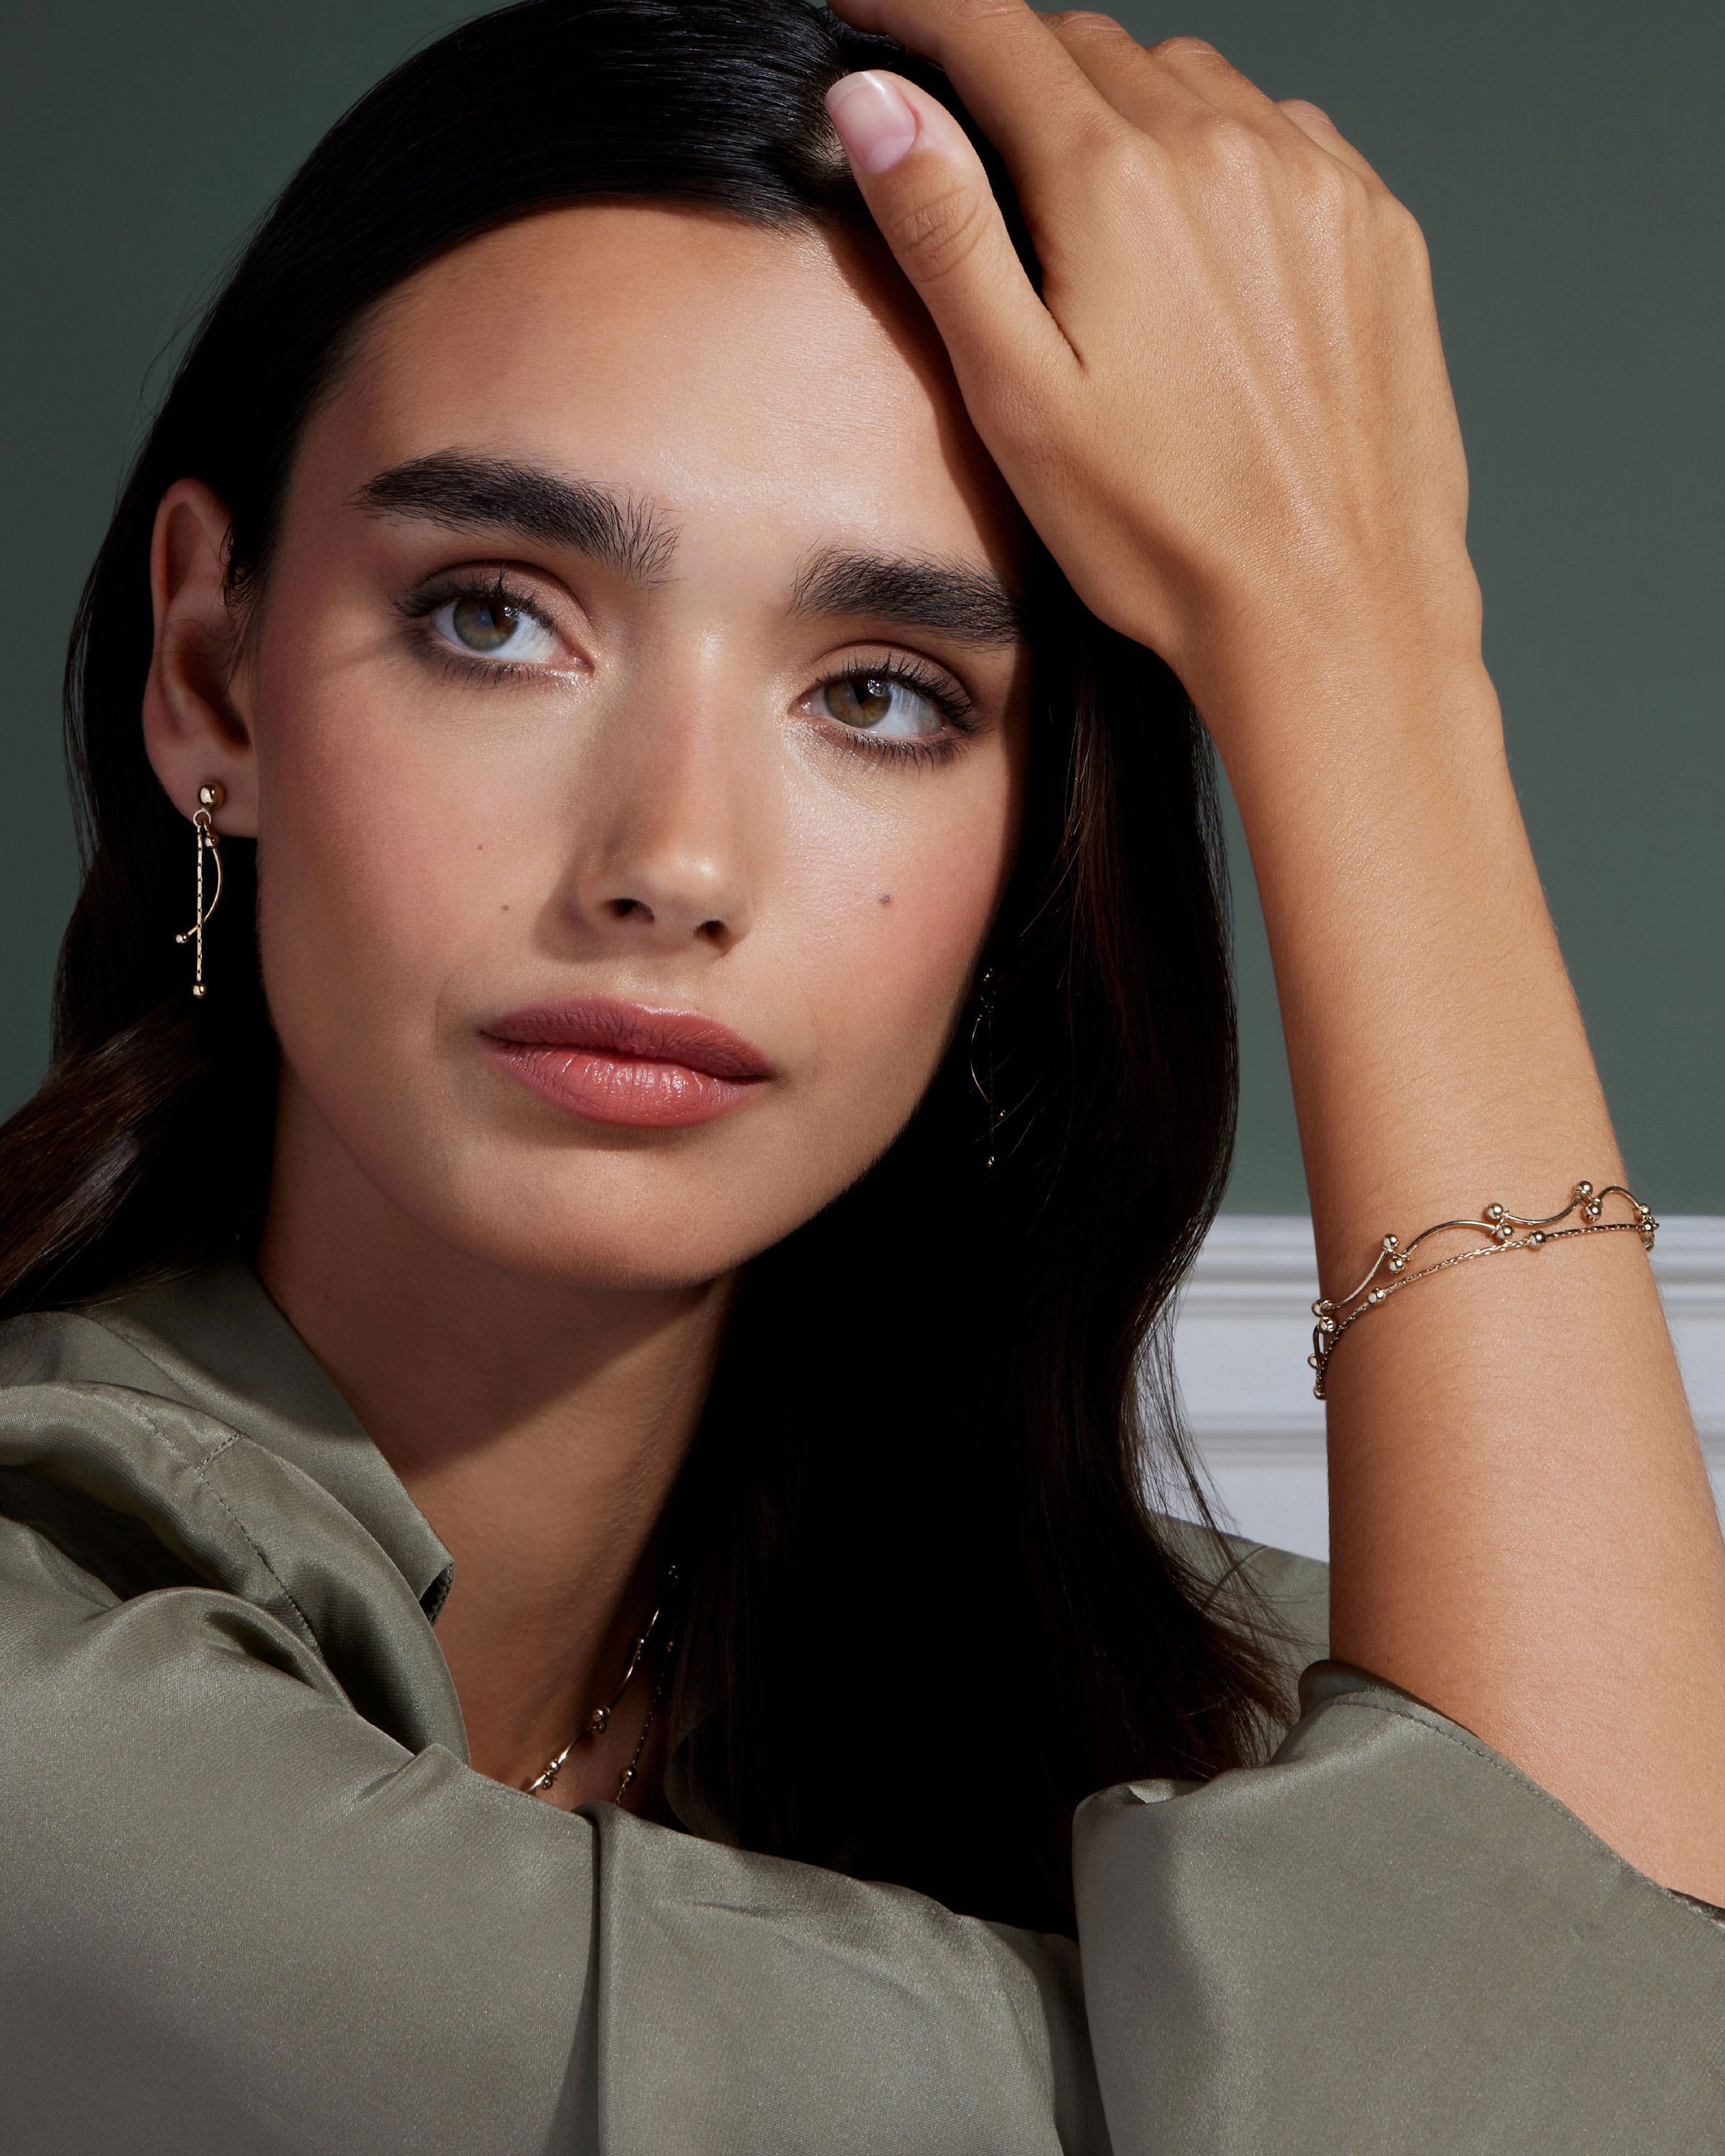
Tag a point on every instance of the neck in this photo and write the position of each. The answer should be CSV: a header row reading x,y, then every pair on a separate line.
x,y
539,1426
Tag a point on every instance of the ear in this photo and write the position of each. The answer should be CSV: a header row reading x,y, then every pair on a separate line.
x,y
196,728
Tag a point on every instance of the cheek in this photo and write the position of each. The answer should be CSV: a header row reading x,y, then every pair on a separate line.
x,y
896,919
379,862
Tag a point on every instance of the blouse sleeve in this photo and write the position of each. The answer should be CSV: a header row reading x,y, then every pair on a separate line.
x,y
238,1916
1387,1938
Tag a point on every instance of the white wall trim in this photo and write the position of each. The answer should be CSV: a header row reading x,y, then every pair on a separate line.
x,y
1243,1331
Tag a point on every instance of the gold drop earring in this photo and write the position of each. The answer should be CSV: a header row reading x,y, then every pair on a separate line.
x,y
981,1034
208,796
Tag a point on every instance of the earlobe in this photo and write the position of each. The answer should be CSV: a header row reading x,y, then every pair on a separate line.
x,y
196,732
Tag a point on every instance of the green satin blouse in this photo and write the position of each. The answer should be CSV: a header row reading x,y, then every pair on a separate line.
x,y
253,1898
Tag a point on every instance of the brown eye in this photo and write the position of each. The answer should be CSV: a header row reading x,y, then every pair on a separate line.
x,y
484,624
881,703
860,699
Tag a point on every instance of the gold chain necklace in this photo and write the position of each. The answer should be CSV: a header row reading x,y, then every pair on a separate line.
x,y
599,1719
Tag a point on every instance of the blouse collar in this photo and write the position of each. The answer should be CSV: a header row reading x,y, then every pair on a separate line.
x,y
225,1347
229,1349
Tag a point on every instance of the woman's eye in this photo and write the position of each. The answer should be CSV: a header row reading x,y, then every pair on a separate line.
x,y
491,626
882,704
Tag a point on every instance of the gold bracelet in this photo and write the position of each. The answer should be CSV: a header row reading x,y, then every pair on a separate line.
x,y
1496,1222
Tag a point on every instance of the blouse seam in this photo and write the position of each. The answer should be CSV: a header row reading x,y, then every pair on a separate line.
x,y
1464,1741
201,1468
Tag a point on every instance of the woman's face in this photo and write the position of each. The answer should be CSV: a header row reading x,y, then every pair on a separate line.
x,y
575,721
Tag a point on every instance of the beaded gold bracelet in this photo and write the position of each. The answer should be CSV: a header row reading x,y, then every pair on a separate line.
x,y
1333,1318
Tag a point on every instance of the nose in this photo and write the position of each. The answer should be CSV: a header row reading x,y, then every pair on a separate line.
x,y
669,826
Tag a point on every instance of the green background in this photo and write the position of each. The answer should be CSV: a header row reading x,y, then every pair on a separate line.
x,y
1563,161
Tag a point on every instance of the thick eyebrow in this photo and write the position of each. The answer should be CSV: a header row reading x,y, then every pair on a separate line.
x,y
462,493
951,597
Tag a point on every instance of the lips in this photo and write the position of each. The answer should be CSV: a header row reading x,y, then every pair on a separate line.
x,y
627,1064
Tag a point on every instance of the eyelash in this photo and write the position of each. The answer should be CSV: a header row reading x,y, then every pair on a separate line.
x,y
954,706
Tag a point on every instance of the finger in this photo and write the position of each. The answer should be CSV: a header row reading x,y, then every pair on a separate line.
x,y
1205,71
1150,96
1025,90
1207,74
1312,120
1155,86
926,190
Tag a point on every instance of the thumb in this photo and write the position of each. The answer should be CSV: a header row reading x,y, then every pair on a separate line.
x,y
924,186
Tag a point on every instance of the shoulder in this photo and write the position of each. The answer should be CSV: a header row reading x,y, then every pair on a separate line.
x,y
119,1479
106,1454
86,1410
99,1457
73,1347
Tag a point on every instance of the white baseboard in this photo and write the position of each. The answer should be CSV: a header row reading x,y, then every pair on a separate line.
x,y
1245,1330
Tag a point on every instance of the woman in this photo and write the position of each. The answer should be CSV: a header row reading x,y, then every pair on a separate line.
x,y
573,1532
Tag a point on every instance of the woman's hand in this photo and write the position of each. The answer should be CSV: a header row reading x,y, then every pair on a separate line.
x,y
1228,415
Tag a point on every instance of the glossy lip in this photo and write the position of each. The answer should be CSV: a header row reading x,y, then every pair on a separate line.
x,y
630,1064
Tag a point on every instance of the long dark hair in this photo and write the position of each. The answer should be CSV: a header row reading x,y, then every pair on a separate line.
x,y
933,1604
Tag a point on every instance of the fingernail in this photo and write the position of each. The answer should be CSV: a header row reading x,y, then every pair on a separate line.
x,y
875,123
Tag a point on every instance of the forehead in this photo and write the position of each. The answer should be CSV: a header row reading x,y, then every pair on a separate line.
x,y
715,364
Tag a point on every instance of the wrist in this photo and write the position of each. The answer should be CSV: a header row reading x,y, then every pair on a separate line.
x,y
1320,667
1332,720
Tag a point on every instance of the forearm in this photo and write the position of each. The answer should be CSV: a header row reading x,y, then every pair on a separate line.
x,y
1225,411
1521,1531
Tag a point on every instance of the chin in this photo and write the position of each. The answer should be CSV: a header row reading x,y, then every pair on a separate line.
x,y
598,1206
595,1224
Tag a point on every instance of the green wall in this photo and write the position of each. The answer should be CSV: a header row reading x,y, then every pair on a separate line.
x,y
1565,161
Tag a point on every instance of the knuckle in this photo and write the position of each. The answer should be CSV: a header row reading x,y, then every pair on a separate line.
x,y
1328,189
1231,149
1109,151
1293,105
938,233
1090,22
1195,52
1399,225
969,12
1116,166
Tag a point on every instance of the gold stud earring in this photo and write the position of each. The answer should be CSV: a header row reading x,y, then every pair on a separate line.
x,y
208,796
